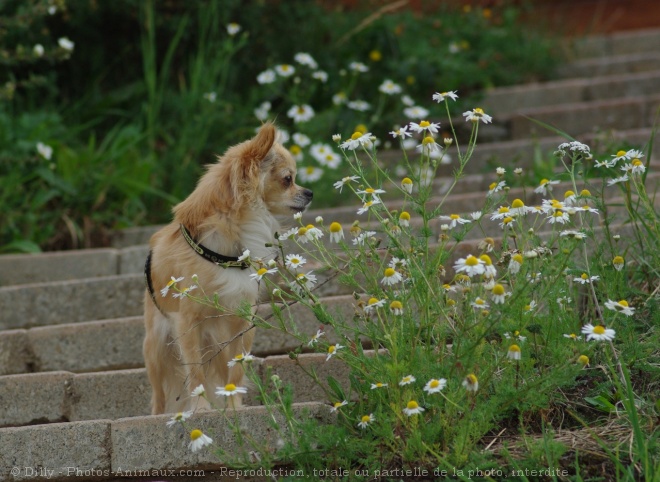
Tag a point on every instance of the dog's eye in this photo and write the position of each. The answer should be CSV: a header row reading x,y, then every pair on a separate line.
x,y
288,180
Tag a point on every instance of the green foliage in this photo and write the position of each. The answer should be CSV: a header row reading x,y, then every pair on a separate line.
x,y
160,88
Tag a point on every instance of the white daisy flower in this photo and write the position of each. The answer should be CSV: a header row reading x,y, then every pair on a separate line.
x,y
480,304
294,261
617,180
545,187
365,207
285,70
303,282
435,385
45,150
337,405
514,352
515,335
179,418
233,28
320,75
301,139
391,277
495,187
362,237
310,174
358,139
332,350
428,145
415,112
401,132
573,336
38,50
169,285
300,113
240,358
261,272
476,115
441,96
470,265
407,380
199,391
230,390
377,385
373,304
471,383
598,332
454,220
198,440
584,278
359,105
412,408
66,44
185,292
358,67
340,184
424,125
366,420
620,307
305,59
390,88
315,338
266,77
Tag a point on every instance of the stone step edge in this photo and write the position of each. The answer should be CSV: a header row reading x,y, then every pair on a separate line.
x,y
60,396
99,448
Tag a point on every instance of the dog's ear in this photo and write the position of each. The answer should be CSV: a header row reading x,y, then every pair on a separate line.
x,y
257,148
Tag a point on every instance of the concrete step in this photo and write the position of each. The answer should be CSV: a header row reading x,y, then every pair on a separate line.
x,y
615,44
60,396
610,65
509,100
107,449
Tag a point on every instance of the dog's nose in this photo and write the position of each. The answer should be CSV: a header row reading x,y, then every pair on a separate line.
x,y
308,194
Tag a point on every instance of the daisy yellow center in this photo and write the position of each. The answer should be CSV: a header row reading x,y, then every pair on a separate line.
x,y
451,302
599,330
301,110
507,220
455,216
295,261
368,204
332,349
310,169
389,272
516,333
558,214
489,241
479,111
396,305
262,271
569,194
434,384
195,434
379,385
636,162
428,140
302,231
471,378
584,276
238,357
518,258
586,207
356,135
230,387
514,348
406,180
338,404
471,261
517,203
486,259
372,301
528,307
170,283
617,260
620,153
295,149
405,216
543,182
310,226
492,186
335,227
503,210
556,204
573,335
479,301
285,67
361,128
583,359
424,124
412,405
498,290
366,418
301,276
623,303
369,190
585,192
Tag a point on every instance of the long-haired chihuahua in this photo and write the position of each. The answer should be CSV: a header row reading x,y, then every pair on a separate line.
x,y
233,209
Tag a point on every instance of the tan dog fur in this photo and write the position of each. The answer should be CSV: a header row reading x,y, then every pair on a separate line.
x,y
233,208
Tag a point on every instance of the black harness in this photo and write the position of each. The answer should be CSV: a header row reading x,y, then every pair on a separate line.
x,y
215,258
